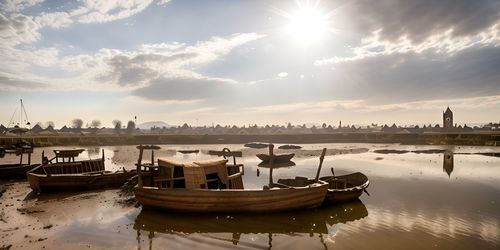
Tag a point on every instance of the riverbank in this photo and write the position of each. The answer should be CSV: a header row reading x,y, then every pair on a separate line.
x,y
472,139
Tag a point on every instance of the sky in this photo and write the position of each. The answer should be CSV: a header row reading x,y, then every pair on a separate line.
x,y
250,62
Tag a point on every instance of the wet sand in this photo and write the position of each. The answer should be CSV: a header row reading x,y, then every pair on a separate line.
x,y
416,202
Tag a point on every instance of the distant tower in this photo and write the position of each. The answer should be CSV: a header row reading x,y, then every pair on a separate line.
x,y
447,119
340,124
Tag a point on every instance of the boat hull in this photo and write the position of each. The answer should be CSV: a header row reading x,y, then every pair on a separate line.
x,y
232,200
73,182
15,171
277,158
356,185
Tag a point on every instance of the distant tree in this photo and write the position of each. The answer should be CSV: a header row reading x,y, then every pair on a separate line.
x,y
117,124
324,125
130,125
77,123
50,124
289,126
95,123
185,126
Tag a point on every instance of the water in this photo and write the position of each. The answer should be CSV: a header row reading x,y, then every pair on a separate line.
x,y
443,200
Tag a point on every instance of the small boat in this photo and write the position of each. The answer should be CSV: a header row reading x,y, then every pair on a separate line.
x,y
214,186
189,151
344,188
289,147
256,145
277,158
69,175
17,170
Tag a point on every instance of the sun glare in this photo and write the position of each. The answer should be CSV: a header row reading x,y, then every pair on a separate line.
x,y
307,24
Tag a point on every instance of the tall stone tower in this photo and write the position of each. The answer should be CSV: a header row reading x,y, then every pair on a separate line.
x,y
447,119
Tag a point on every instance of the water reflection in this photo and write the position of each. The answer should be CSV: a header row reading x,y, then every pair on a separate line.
x,y
448,163
309,222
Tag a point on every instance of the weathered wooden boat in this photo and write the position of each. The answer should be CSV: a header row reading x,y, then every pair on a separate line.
x,y
344,188
17,170
256,145
213,186
69,174
289,147
277,158
189,151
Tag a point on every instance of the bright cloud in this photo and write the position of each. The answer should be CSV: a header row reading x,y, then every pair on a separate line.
x,y
96,11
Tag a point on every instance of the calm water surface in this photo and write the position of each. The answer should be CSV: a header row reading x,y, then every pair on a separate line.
x,y
443,201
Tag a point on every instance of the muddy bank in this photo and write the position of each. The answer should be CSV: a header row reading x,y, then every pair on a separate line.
x,y
30,221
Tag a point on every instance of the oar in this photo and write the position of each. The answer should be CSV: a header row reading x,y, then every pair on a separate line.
x,y
321,158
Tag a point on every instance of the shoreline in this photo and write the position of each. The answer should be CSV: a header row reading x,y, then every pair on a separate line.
x,y
465,139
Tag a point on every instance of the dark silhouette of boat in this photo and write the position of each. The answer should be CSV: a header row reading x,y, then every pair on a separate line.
x,y
256,145
289,147
16,170
189,151
277,158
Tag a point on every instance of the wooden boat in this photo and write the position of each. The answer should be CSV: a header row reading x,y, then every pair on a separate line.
x,y
344,188
277,158
17,170
213,186
256,145
193,151
75,175
289,147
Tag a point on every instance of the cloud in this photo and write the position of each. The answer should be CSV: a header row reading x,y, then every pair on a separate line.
x,y
181,89
7,83
16,29
54,19
282,75
17,5
96,11
419,20
168,61
365,106
442,27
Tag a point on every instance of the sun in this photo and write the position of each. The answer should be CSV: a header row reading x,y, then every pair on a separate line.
x,y
307,24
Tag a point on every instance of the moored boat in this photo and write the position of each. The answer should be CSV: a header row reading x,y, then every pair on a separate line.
x,y
71,175
17,170
289,147
344,188
214,186
256,145
189,151
277,158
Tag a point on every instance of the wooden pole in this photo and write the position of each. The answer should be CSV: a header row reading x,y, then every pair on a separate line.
x,y
22,153
321,158
139,168
271,162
